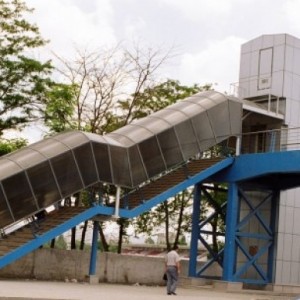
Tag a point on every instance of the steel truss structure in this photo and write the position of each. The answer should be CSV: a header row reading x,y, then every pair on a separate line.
x,y
250,235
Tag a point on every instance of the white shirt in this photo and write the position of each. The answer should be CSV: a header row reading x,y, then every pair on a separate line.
x,y
172,258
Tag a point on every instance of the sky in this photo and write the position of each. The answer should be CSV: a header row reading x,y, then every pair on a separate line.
x,y
207,35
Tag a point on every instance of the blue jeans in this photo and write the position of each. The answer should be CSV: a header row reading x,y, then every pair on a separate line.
x,y
172,278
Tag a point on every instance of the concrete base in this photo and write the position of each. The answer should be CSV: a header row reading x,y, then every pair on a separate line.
x,y
286,289
193,282
227,286
93,279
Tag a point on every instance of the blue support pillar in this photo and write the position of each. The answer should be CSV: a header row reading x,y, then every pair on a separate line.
x,y
274,214
93,260
195,232
230,250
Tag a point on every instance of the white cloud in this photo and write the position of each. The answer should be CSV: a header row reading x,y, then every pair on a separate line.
x,y
134,28
202,9
66,24
208,34
217,63
291,10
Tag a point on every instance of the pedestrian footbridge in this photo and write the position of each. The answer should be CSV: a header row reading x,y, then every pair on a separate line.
x,y
148,162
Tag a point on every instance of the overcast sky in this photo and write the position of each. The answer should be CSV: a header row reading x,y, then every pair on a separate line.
x,y
206,33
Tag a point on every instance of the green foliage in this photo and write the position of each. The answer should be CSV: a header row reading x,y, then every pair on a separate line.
x,y
85,198
112,248
149,241
182,240
23,79
213,198
60,243
158,97
60,106
174,215
7,146
220,150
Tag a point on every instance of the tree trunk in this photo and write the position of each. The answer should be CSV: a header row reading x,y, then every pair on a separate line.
x,y
182,205
121,231
73,239
103,239
214,225
83,235
52,245
165,204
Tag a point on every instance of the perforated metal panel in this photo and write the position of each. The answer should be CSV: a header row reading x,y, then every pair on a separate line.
x,y
138,170
67,173
121,176
5,215
102,157
43,184
20,196
86,163
170,147
152,156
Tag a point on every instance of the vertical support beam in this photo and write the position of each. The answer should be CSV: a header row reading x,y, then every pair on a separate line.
x,y
269,102
272,141
238,145
93,260
195,231
117,205
230,251
271,254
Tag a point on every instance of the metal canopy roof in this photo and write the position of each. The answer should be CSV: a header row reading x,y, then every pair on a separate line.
x,y
45,172
256,108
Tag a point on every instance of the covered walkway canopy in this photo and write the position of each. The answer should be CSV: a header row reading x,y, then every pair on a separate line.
x,y
59,166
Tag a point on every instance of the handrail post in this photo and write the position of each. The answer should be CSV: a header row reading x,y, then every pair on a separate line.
x,y
238,145
117,205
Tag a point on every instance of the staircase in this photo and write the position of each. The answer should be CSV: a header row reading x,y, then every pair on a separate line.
x,y
37,228
167,181
33,235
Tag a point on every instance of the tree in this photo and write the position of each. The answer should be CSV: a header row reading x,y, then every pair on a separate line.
x,y
174,215
24,80
7,146
94,83
60,107
213,197
156,98
101,79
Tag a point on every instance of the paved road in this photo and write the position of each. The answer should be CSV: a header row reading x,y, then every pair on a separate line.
x,y
17,290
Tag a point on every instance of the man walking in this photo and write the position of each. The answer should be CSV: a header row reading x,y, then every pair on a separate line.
x,y
172,263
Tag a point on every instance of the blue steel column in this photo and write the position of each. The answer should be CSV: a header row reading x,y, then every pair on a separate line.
x,y
195,231
230,250
93,260
271,254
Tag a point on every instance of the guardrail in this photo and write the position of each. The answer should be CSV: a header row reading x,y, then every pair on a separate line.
x,y
284,139
264,97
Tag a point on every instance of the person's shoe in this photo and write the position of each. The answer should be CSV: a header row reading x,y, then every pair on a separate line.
x,y
169,293
173,293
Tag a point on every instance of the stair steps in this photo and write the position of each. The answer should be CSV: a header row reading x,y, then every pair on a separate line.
x,y
30,231
167,181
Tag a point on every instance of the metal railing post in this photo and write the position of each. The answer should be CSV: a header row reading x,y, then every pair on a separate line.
x,y
238,145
